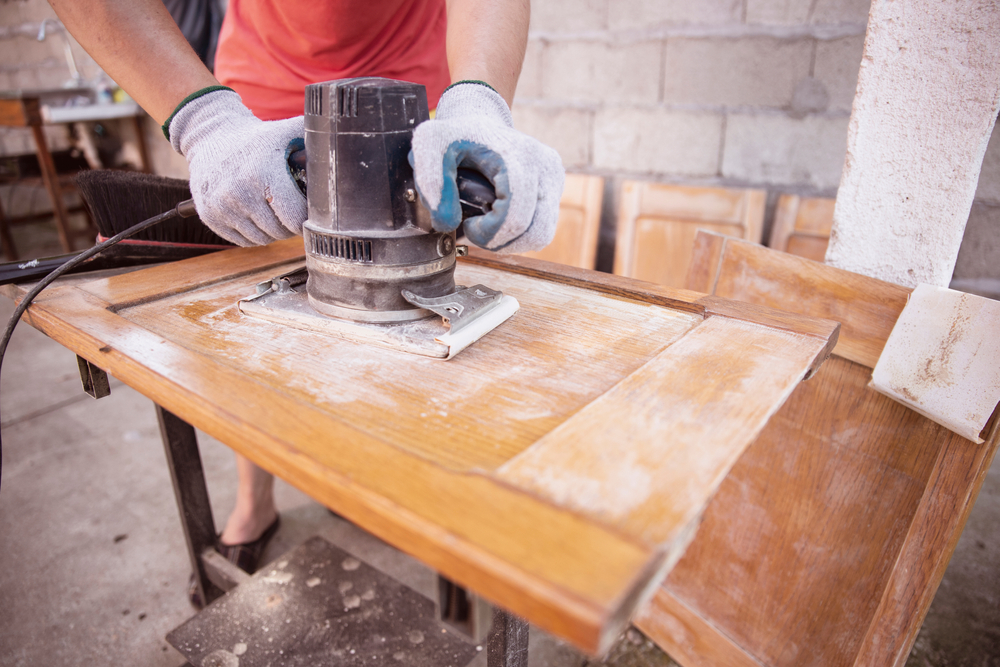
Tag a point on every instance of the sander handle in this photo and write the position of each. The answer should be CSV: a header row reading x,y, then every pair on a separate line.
x,y
475,191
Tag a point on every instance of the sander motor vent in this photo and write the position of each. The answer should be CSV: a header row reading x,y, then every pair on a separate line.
x,y
343,248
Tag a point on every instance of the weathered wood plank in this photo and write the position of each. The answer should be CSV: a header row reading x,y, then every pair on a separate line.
x,y
157,282
692,640
796,547
937,525
563,349
604,283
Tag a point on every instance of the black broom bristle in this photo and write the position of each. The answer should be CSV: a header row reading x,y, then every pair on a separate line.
x,y
119,199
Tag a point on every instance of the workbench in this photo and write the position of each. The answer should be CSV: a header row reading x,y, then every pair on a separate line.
x,y
558,467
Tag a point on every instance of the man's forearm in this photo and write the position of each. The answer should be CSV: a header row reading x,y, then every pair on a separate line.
x,y
138,44
486,42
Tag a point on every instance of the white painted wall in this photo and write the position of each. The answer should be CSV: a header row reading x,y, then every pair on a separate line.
x,y
928,96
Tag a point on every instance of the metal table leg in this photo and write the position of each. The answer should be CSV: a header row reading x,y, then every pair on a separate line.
x,y
507,645
188,476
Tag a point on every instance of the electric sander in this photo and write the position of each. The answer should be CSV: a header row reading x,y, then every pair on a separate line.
x,y
375,268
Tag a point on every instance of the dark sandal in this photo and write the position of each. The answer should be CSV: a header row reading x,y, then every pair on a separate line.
x,y
244,556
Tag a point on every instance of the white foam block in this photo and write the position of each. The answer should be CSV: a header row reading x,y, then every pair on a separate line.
x,y
942,359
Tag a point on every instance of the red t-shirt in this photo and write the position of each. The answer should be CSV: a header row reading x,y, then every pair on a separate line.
x,y
269,50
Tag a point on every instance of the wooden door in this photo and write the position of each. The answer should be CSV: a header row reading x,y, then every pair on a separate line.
x,y
558,467
575,243
802,226
657,224
827,540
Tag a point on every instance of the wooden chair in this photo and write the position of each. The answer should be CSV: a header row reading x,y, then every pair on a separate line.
x,y
21,111
826,542
575,243
802,226
657,224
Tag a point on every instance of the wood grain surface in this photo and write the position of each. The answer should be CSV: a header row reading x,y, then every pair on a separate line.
x,y
16,112
414,449
473,413
691,638
614,461
827,540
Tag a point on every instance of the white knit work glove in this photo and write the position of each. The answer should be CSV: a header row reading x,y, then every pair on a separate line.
x,y
473,128
240,180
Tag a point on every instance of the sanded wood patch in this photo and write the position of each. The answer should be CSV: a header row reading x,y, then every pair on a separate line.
x,y
564,348
647,455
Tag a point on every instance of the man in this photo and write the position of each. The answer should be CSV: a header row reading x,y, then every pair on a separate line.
x,y
235,131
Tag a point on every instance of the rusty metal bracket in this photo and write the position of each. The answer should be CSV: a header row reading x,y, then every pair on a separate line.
x,y
95,380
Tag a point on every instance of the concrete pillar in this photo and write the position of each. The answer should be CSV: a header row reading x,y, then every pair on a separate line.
x,y
927,99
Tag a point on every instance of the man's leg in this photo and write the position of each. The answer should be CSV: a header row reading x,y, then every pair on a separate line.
x,y
255,509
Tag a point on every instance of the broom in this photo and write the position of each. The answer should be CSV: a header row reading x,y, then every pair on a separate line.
x,y
116,200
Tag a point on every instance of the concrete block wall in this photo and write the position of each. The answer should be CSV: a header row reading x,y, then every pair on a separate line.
x,y
733,92
29,64
742,93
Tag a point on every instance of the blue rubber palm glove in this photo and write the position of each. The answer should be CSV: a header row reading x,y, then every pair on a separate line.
x,y
473,128
240,180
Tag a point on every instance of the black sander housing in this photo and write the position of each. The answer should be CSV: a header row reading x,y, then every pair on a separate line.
x,y
367,236
376,271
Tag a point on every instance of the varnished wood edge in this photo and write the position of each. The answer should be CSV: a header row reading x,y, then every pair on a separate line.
x,y
710,250
777,319
650,581
703,275
666,616
753,221
596,281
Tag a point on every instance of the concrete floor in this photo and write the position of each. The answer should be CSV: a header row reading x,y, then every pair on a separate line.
x,y
93,568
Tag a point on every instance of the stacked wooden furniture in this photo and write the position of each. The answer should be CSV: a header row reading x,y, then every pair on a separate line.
x,y
827,540
558,467
657,224
802,226
578,230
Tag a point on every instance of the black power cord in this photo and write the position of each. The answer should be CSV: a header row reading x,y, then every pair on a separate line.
x,y
183,210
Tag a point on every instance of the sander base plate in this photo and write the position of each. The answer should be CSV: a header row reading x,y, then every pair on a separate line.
x,y
283,300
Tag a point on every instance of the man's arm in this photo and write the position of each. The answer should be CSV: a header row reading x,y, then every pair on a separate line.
x,y
138,44
486,42
474,128
239,178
